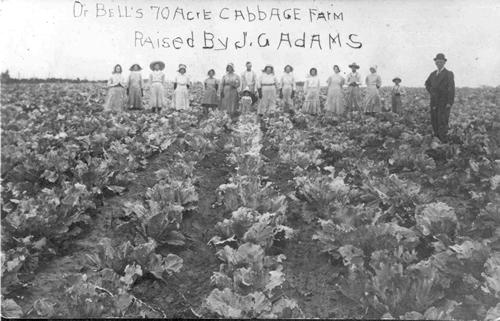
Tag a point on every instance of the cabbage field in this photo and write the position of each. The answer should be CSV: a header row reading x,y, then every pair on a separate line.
x,y
187,214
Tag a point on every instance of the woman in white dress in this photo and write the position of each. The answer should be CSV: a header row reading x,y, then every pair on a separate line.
x,y
335,96
181,89
288,88
157,82
373,102
267,86
116,94
311,91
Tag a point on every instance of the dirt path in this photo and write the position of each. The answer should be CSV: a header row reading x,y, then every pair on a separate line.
x,y
185,291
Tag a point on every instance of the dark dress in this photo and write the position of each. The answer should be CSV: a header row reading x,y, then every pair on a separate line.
x,y
441,87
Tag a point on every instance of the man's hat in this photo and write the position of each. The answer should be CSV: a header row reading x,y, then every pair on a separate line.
x,y
354,65
440,56
396,79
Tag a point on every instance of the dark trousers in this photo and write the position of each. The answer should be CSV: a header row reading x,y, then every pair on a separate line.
x,y
440,116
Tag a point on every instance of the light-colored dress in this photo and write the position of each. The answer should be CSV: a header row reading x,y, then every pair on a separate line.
x,y
210,97
288,85
269,84
335,96
245,104
135,85
117,95
372,100
249,78
157,80
311,92
180,101
229,90
353,91
396,94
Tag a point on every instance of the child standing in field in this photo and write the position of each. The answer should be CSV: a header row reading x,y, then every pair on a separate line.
x,y
157,81
396,93
288,88
246,100
182,83
311,91
116,93
135,87
210,98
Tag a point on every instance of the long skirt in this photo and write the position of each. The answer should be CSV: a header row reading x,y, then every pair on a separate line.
x,y
229,102
372,100
210,98
335,101
353,98
157,95
180,100
311,103
268,102
287,98
116,100
135,97
397,104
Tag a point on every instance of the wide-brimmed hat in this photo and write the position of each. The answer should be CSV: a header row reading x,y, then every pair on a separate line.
x,y
161,63
132,67
440,56
354,65
181,66
396,79
246,90
268,66
291,68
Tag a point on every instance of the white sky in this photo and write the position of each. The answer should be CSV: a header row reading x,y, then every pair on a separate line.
x,y
42,38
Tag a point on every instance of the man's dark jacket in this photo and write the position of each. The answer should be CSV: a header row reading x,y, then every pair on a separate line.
x,y
441,87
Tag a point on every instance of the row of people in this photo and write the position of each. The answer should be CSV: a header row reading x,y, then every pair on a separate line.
x,y
245,90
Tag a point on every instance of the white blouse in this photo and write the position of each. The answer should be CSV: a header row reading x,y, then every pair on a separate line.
x,y
354,77
267,80
182,80
288,80
117,80
312,82
157,76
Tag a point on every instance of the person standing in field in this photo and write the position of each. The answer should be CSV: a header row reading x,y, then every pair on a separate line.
x,y
182,83
335,96
157,81
373,103
116,99
396,94
267,86
288,89
311,93
249,79
229,90
441,86
246,101
211,87
354,92
135,89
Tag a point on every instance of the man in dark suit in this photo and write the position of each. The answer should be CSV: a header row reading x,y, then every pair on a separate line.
x,y
441,86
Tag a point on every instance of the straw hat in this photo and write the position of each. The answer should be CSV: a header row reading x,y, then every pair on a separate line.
x,y
396,79
132,67
182,66
354,65
161,63
268,66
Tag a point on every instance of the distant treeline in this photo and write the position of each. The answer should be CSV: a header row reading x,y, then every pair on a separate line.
x,y
7,79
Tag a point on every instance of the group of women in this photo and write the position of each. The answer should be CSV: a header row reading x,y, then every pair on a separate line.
x,y
241,93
